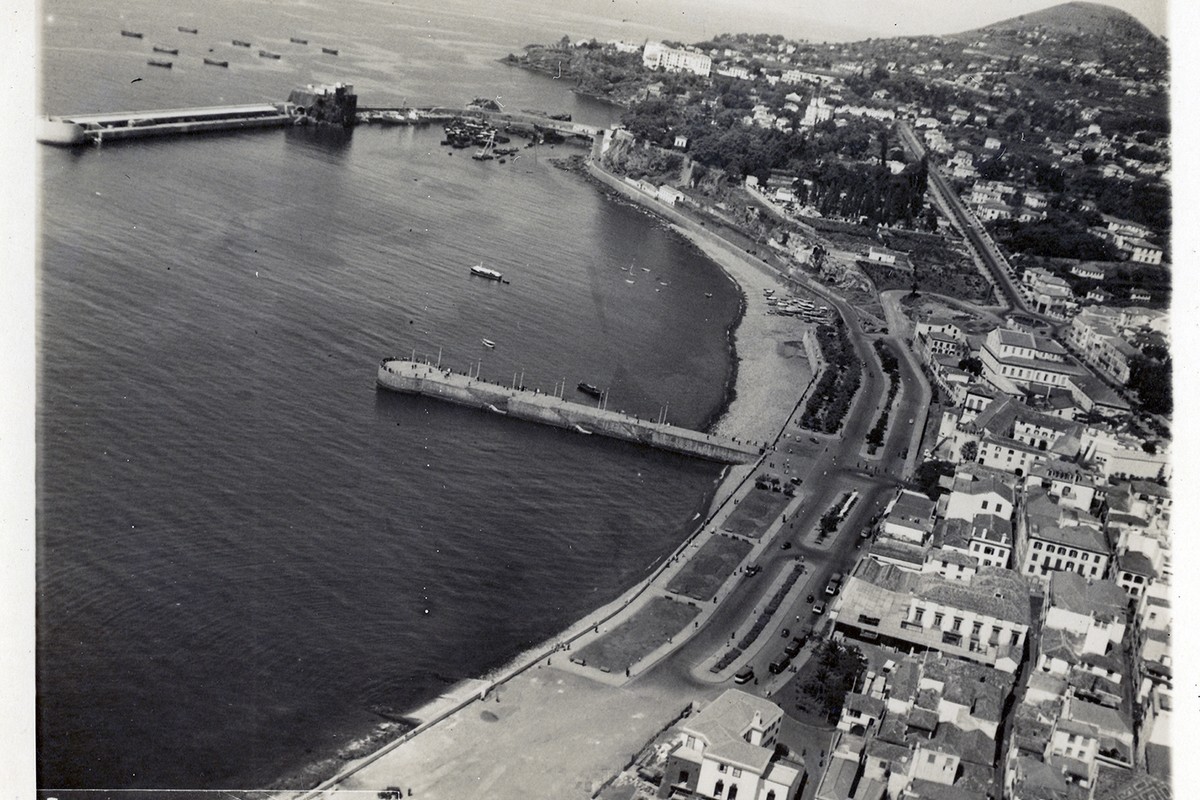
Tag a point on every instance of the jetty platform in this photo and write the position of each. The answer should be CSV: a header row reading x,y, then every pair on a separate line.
x,y
98,128
419,378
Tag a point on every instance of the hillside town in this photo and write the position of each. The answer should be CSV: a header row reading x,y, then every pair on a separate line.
x,y
998,201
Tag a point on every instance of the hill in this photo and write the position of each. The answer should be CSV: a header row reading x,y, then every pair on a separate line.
x,y
1074,19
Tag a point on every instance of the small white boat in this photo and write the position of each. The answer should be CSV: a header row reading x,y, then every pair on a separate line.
x,y
582,429
484,272
628,281
488,343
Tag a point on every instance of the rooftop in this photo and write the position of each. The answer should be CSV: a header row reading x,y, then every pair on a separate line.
x,y
724,723
1098,599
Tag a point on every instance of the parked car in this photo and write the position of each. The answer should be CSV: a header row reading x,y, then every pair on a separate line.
x,y
780,664
793,648
785,545
744,675
811,598
819,609
835,584
786,632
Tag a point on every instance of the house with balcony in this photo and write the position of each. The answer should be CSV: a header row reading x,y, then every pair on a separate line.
x,y
727,751
1016,361
984,619
1053,538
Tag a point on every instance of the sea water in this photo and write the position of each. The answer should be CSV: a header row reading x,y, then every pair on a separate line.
x,y
246,553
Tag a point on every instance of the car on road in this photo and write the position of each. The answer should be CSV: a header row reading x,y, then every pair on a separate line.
x,y
811,598
819,609
753,570
793,648
785,545
780,664
786,632
835,584
744,675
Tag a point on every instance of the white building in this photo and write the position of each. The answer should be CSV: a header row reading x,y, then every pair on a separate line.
x,y
657,55
727,750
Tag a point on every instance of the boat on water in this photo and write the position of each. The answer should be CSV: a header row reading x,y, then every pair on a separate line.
x,y
331,50
240,43
484,272
172,51
581,429
216,62
708,294
131,34
495,410
182,29
488,343
485,153
267,54
154,62
588,389
296,40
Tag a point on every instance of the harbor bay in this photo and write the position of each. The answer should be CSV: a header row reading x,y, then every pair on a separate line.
x,y
248,558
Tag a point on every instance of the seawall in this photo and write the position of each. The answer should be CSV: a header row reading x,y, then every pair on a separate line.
x,y
411,377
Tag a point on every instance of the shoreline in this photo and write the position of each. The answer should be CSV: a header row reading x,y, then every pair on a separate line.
x,y
761,393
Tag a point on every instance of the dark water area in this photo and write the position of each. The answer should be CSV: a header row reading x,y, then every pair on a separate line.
x,y
244,550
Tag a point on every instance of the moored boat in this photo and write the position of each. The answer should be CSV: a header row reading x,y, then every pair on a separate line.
x,y
488,343
216,62
331,50
588,389
172,51
296,40
267,54
131,34
183,29
484,272
154,62
240,43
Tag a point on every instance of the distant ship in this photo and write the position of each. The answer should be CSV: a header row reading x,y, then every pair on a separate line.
x,y
588,389
156,63
299,41
174,51
240,43
267,54
216,62
484,272
331,50
488,343
131,34
182,29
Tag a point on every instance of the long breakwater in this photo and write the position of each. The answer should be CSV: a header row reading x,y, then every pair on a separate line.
x,y
415,377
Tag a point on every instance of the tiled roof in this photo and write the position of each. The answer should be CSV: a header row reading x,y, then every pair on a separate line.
x,y
1078,536
1136,563
1105,720
951,557
864,704
995,592
723,723
1099,599
991,528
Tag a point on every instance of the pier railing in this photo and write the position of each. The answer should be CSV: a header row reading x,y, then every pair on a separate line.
x,y
415,377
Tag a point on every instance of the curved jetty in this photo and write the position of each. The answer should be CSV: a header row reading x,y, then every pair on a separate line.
x,y
415,377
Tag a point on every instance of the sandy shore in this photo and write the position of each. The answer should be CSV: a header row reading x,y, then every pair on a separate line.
x,y
550,733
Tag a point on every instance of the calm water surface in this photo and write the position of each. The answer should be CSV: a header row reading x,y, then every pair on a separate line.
x,y
244,550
